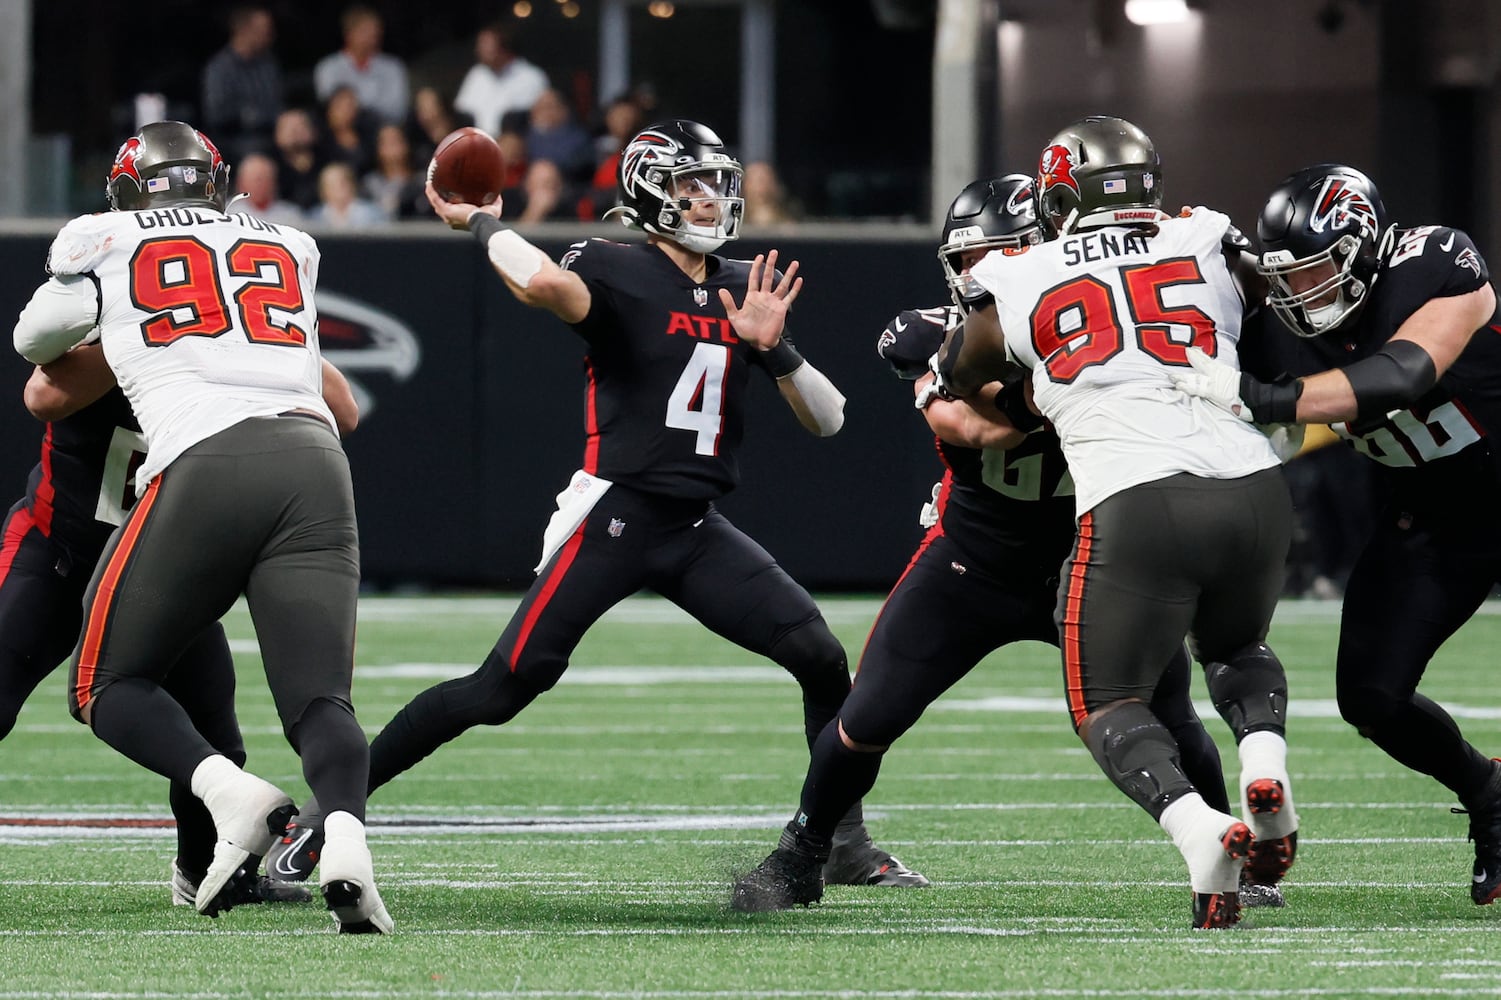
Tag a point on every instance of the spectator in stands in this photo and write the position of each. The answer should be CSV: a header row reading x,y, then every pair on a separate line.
x,y
339,205
430,121
297,158
765,198
552,134
500,81
255,178
544,195
379,79
622,120
348,134
513,148
242,86
395,184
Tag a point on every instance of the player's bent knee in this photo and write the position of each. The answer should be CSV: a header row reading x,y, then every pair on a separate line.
x,y
1369,710
1249,690
811,654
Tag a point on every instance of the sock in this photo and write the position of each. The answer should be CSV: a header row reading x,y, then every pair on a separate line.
x,y
1263,754
1196,830
838,778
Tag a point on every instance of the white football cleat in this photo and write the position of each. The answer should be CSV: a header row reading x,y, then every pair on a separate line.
x,y
249,812
347,878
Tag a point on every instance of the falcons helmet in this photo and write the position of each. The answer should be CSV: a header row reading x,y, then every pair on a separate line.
x,y
987,215
1324,233
669,167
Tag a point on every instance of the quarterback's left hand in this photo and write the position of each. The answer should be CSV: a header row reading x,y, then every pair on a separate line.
x,y
1212,380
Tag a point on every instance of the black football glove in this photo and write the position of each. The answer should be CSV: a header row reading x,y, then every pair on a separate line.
x,y
915,336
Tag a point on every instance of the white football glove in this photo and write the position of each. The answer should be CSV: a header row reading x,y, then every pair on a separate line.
x,y
935,389
929,514
1213,380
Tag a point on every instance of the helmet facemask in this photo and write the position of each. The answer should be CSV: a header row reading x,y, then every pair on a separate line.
x,y
686,191
962,287
1342,290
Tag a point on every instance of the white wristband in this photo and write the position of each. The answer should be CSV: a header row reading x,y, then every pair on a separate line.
x,y
514,257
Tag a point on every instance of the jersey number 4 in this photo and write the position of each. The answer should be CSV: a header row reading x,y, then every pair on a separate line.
x,y
177,279
697,401
1087,308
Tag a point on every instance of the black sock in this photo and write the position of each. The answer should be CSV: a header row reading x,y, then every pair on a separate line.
x,y
195,831
335,757
140,720
838,779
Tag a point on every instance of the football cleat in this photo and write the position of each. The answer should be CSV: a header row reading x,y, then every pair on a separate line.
x,y
1214,910
1254,893
1485,830
787,878
243,888
348,879
1270,857
295,853
248,813
856,860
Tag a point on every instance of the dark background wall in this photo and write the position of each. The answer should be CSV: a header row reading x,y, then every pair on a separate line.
x,y
457,465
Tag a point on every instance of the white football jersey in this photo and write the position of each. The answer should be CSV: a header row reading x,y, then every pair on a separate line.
x,y
206,319
1098,317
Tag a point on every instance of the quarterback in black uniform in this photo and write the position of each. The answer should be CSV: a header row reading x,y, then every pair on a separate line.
x,y
1397,348
669,356
984,576
53,537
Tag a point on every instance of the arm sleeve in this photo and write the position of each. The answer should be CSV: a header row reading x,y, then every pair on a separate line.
x,y
62,314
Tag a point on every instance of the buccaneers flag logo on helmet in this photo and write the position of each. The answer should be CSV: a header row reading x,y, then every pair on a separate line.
x,y
1055,167
125,160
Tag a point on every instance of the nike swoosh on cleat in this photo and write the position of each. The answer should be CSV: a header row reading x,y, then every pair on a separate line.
x,y
1480,878
1448,244
281,866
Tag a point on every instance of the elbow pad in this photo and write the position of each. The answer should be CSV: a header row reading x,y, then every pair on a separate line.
x,y
1393,378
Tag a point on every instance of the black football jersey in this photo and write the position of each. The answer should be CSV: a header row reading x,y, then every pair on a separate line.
x,y
1442,452
1011,511
80,490
666,376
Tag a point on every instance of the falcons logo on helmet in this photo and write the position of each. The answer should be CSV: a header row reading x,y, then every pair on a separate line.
x,y
1340,206
1055,167
1019,200
125,161
648,147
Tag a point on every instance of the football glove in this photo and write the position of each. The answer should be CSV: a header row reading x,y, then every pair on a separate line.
x,y
914,336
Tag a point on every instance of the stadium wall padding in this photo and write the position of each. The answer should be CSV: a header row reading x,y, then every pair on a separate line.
x,y
456,463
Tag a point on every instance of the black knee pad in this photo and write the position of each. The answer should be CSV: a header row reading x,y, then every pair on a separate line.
x,y
1138,754
1249,690
810,653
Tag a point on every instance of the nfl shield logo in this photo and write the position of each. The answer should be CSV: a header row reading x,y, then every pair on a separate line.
x,y
700,297
616,527
189,175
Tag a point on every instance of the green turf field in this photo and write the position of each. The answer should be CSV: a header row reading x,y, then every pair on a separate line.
x,y
587,849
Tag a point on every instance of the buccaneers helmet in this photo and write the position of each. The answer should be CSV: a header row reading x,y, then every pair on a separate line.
x,y
1324,233
668,167
987,215
1100,171
167,163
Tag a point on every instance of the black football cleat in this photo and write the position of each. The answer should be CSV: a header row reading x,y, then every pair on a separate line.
x,y
246,887
1485,831
295,853
861,862
787,878
1216,910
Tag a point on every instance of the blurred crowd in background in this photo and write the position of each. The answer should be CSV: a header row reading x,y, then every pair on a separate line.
x,y
357,156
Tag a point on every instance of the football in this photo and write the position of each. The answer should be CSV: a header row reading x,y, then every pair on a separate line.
x,y
467,167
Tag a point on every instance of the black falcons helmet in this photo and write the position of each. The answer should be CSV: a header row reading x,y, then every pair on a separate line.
x,y
1100,171
987,215
667,167
167,163
1323,230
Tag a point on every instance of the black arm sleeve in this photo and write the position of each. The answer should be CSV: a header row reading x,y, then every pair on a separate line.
x,y
1393,378
484,225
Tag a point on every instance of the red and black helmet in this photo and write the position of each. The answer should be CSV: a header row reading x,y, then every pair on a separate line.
x,y
167,163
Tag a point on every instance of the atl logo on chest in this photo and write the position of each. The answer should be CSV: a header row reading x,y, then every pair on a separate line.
x,y
701,327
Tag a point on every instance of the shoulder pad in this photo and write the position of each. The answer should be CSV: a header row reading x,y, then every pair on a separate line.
x,y
80,244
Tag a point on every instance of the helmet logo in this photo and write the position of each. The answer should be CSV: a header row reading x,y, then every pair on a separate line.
x,y
125,161
648,147
1340,206
1020,202
1056,167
